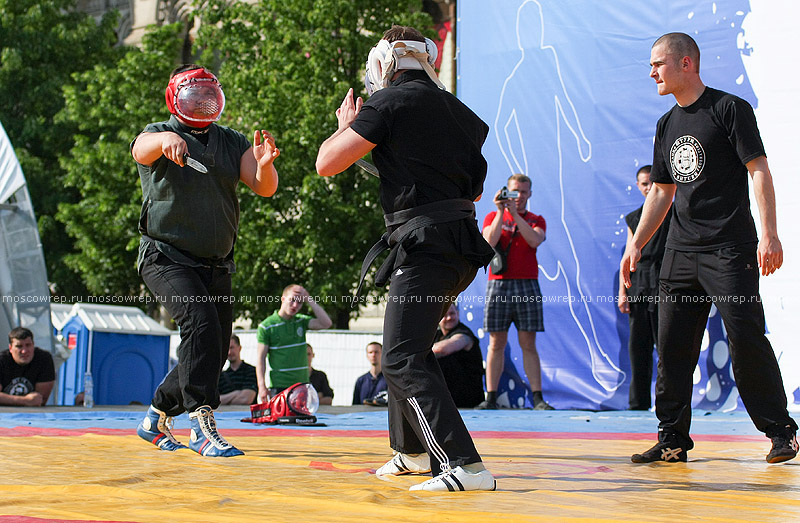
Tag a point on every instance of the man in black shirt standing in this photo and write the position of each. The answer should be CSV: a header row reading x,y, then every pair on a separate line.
x,y
704,148
640,302
427,146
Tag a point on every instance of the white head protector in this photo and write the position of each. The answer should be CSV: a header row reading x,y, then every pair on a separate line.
x,y
386,58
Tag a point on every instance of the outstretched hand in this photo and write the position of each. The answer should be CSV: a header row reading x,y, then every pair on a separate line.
x,y
349,109
264,148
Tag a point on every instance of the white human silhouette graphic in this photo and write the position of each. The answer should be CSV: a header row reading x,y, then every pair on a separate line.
x,y
536,84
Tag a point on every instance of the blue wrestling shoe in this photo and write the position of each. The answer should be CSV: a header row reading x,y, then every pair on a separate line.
x,y
156,427
204,438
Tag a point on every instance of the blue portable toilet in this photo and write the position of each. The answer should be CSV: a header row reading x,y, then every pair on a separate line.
x,y
126,350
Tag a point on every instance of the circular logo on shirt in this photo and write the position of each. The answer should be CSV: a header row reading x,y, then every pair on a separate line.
x,y
19,387
299,331
687,158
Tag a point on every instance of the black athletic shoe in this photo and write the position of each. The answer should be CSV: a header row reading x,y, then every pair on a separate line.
x,y
487,405
784,447
381,399
670,451
543,405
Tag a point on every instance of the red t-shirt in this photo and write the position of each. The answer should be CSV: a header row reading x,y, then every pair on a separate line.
x,y
522,264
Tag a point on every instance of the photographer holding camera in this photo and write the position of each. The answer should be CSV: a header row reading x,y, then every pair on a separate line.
x,y
514,233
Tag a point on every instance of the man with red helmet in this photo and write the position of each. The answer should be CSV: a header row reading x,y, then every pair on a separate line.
x,y
189,220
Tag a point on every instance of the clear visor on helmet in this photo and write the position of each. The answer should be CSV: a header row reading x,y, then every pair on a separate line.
x,y
200,101
303,399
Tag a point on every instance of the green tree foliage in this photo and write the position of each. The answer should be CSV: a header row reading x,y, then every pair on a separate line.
x,y
110,104
42,44
285,66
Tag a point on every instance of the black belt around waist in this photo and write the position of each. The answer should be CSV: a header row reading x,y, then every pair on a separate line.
x,y
184,258
400,224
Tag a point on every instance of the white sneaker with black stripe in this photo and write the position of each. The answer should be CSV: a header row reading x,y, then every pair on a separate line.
x,y
402,464
457,479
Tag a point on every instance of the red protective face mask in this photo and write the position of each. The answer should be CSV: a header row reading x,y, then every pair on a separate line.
x,y
297,404
196,97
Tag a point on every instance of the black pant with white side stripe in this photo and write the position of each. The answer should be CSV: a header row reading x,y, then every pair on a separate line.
x,y
422,415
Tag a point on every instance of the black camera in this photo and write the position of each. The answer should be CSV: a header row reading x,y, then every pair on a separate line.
x,y
505,194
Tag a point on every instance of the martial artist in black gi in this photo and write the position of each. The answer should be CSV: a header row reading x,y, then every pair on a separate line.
x,y
427,146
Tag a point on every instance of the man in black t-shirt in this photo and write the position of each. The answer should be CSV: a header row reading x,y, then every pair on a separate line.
x,y
705,146
318,379
459,355
426,145
237,384
640,302
27,374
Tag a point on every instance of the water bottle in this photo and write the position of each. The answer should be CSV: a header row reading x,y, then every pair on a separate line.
x,y
88,390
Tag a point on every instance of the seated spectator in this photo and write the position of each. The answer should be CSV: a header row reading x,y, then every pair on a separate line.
x,y
459,356
27,374
237,384
319,379
372,383
282,339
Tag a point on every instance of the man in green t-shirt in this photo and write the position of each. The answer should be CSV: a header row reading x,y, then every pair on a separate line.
x,y
282,337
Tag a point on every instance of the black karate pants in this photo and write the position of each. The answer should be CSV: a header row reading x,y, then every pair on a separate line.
x,y
643,321
689,283
422,415
199,300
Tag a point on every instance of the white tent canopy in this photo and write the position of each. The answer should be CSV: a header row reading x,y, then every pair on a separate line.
x,y
23,277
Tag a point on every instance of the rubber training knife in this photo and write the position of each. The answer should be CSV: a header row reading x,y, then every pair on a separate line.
x,y
194,164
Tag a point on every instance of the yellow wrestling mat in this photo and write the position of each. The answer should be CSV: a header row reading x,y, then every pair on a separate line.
x,y
328,476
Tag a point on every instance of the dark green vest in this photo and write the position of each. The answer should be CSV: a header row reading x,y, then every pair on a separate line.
x,y
191,211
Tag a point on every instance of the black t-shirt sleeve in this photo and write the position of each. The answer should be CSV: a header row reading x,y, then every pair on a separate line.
x,y
47,370
357,392
250,381
225,383
370,125
324,385
242,143
660,173
632,219
739,121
